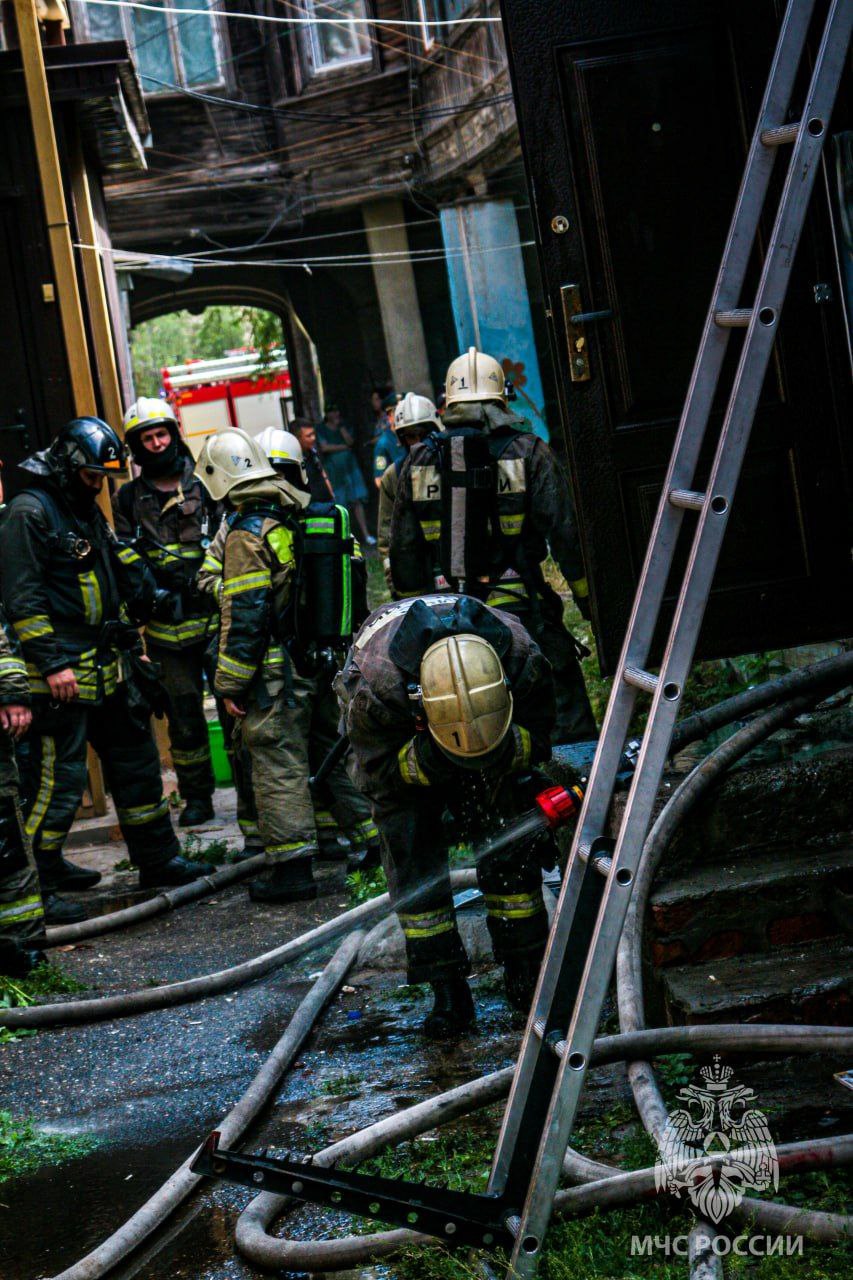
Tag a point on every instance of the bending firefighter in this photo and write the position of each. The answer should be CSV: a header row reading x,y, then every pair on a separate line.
x,y
448,705
478,506
286,602
71,592
170,519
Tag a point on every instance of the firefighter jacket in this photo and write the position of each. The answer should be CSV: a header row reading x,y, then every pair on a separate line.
x,y
391,755
21,912
258,570
511,508
171,532
387,496
209,578
68,586
14,692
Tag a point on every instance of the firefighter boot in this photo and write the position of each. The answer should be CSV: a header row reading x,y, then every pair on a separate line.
x,y
291,881
17,960
521,973
176,871
60,911
68,876
196,811
452,1012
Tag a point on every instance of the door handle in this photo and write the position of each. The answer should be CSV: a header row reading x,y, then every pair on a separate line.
x,y
576,320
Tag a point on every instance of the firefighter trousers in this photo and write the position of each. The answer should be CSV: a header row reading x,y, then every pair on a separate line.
x,y
21,912
182,674
414,856
241,771
289,728
575,721
52,760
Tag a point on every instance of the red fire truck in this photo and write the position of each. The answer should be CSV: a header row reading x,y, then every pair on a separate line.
x,y
230,392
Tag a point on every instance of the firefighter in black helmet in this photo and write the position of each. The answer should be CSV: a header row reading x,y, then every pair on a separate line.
x,y
71,592
171,520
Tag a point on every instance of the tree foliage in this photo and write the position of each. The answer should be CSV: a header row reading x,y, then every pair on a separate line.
x,y
180,335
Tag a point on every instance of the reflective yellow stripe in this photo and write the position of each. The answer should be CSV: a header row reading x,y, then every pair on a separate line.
x,y
231,667
294,846
46,782
52,839
90,589
523,746
248,582
580,588
502,594
280,540
427,924
28,908
210,564
183,550
431,529
12,665
201,755
138,815
513,906
410,767
323,819
511,525
366,831
247,826
275,656
167,633
127,555
31,628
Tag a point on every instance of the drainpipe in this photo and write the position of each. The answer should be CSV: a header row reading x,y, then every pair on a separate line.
x,y
55,209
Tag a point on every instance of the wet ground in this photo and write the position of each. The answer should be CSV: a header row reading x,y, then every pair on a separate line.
x,y
149,1088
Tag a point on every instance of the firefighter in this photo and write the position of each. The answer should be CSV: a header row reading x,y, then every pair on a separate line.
x,y
68,588
448,704
387,447
414,418
21,910
319,484
170,519
478,508
287,720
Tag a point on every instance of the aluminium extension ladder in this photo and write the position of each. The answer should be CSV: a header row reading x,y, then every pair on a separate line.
x,y
581,951
585,933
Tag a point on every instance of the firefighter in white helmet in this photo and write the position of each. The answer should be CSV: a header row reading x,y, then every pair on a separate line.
x,y
169,519
414,418
477,510
448,705
339,809
273,684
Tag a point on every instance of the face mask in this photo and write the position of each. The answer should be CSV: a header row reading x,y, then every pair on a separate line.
x,y
156,465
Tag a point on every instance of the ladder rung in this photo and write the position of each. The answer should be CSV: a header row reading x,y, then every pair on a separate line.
x,y
539,1027
689,499
640,679
737,319
559,1047
601,861
513,1224
781,134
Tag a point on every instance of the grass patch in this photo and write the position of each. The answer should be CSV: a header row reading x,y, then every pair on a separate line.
x,y
343,1082
18,993
124,864
364,885
598,1247
210,852
23,1148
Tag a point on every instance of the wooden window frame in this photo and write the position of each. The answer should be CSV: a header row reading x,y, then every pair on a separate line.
x,y
221,80
307,75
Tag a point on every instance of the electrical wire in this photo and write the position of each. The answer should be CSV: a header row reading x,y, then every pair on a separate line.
x,y
292,22
333,260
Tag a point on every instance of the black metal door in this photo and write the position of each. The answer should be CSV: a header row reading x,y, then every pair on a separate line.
x,y
635,118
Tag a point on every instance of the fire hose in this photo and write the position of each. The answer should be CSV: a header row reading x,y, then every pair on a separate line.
x,y
635,1046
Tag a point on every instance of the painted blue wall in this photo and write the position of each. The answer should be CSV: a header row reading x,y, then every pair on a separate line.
x,y
488,292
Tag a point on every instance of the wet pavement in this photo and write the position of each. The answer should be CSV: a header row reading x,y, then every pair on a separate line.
x,y
149,1088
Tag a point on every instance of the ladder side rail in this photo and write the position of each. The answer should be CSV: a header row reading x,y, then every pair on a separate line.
x,y
704,553
593,816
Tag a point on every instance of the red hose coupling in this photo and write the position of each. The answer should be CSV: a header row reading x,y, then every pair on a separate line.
x,y
559,805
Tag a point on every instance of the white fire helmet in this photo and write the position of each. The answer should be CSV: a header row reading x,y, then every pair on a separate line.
x,y
228,458
416,412
281,447
148,411
474,376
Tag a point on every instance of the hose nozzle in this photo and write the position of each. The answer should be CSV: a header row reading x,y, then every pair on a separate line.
x,y
559,805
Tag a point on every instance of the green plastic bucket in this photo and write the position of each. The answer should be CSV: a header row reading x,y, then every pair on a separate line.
x,y
218,755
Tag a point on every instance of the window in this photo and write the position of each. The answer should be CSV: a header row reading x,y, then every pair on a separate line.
x,y
339,43
431,12
169,49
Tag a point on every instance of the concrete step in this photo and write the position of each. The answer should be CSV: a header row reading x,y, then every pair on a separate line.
x,y
806,984
751,902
